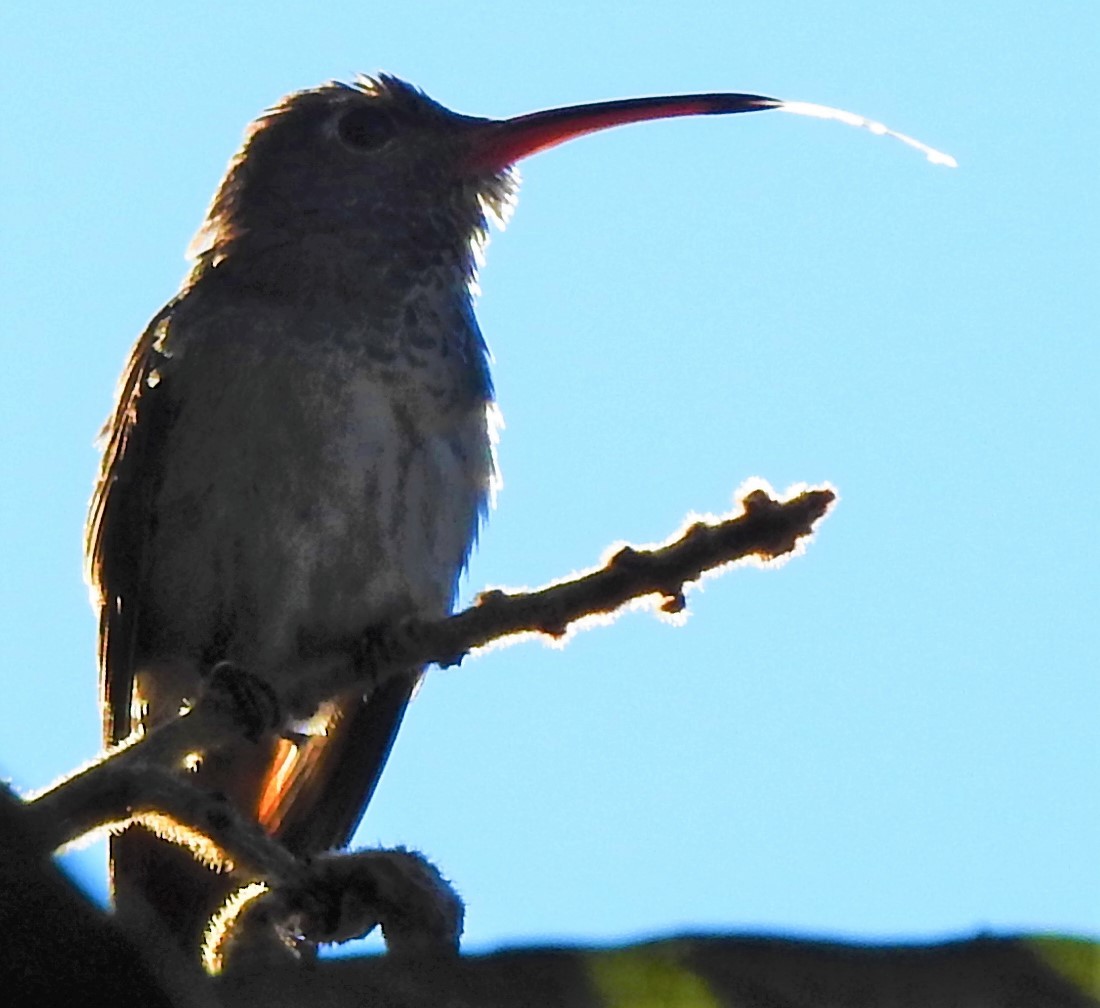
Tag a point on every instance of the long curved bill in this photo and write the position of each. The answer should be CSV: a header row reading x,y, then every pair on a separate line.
x,y
503,142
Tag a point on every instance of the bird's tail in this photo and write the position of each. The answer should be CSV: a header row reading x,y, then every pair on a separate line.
x,y
317,789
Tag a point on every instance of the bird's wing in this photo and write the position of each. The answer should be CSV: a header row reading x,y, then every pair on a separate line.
x,y
118,519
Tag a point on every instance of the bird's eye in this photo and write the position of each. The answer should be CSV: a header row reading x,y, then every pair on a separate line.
x,y
364,128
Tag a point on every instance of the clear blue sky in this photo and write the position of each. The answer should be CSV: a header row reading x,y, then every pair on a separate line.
x,y
894,734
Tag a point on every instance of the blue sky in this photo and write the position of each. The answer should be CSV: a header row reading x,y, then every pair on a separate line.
x,y
893,734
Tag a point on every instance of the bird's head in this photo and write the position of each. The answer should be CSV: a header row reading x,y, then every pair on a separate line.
x,y
380,168
376,163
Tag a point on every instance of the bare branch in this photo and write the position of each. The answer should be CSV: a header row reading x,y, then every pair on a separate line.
x,y
340,897
761,527
120,786
133,790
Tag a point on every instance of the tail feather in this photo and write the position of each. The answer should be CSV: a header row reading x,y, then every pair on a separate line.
x,y
316,791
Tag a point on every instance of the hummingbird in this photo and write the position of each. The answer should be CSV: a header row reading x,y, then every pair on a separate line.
x,y
302,446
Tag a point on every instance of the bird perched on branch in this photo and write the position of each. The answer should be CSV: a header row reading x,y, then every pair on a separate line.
x,y
302,446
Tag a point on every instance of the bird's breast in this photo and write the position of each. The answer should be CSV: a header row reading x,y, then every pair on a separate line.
x,y
309,490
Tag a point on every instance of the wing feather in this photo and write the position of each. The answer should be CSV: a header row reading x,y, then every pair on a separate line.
x,y
117,530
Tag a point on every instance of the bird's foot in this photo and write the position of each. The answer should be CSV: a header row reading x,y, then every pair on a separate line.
x,y
253,702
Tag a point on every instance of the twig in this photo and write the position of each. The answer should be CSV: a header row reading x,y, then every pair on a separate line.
x,y
762,527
